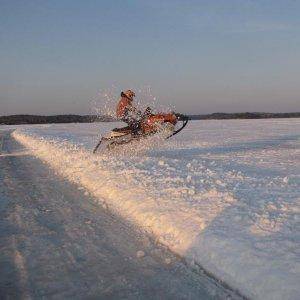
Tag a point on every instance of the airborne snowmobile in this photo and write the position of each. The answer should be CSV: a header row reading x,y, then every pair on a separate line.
x,y
149,125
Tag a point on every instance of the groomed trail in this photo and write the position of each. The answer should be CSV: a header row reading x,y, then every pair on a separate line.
x,y
57,242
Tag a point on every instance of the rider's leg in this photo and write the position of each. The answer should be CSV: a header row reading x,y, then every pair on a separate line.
x,y
133,125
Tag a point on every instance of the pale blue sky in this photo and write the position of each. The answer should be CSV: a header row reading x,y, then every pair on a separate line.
x,y
199,56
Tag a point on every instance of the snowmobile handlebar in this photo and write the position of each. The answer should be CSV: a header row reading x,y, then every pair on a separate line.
x,y
181,117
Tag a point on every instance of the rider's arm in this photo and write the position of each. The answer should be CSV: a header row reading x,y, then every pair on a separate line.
x,y
132,109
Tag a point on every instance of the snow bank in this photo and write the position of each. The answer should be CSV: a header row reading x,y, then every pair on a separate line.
x,y
220,196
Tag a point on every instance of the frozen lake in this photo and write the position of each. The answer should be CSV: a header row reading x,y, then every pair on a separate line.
x,y
223,194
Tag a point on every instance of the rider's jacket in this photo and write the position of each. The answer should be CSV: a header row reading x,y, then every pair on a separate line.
x,y
126,111
123,107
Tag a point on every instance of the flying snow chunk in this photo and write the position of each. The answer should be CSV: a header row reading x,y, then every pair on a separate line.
x,y
140,254
285,179
168,261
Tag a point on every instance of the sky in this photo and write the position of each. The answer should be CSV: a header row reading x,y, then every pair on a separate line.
x,y
197,56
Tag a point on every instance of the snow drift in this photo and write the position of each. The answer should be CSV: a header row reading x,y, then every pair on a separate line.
x,y
221,195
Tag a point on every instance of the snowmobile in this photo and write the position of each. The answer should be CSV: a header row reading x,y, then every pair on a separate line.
x,y
149,125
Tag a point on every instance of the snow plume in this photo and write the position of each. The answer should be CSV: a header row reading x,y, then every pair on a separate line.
x,y
104,103
220,195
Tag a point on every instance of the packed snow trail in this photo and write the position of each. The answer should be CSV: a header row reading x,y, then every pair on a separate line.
x,y
56,242
225,194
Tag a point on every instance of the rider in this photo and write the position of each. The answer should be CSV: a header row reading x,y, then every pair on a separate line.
x,y
127,112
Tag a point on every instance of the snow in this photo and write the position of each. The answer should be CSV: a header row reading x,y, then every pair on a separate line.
x,y
140,254
223,194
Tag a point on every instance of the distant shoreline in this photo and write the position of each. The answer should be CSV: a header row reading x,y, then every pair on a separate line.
x,y
37,119
244,115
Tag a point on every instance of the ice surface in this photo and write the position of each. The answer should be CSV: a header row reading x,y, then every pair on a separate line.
x,y
224,194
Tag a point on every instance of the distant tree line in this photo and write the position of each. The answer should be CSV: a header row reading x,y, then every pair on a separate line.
x,y
245,115
34,119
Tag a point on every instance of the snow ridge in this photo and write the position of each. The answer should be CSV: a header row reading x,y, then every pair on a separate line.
x,y
238,223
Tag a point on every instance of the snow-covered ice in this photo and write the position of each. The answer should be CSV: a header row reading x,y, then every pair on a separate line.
x,y
223,194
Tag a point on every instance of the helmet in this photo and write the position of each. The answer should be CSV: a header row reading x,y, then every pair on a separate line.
x,y
129,94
